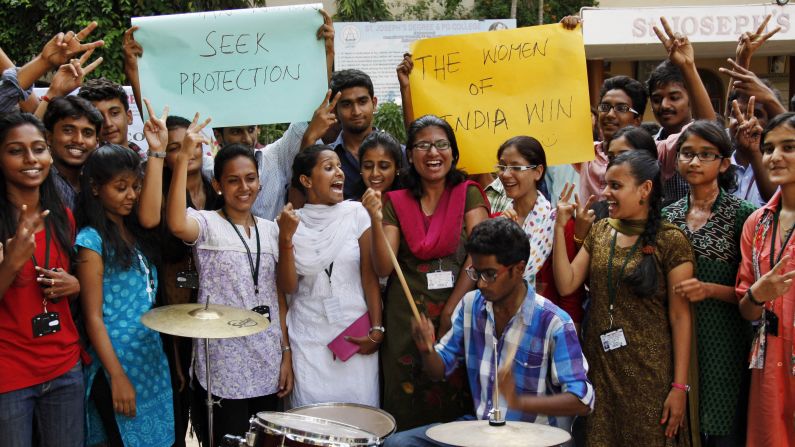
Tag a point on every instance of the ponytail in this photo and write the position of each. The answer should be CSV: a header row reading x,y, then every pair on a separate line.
x,y
643,280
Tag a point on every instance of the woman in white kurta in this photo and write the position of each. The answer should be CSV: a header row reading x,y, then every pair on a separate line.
x,y
336,286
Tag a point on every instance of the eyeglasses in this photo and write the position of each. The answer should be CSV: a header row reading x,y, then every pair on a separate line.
x,y
488,276
514,169
604,107
440,145
688,156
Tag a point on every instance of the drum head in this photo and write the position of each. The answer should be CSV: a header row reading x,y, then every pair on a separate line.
x,y
313,431
370,419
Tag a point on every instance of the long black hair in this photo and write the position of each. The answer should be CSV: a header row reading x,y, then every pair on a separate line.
x,y
411,178
58,219
716,136
643,280
101,167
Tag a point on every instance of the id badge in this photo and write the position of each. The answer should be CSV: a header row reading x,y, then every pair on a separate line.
x,y
46,323
613,340
188,279
440,280
265,311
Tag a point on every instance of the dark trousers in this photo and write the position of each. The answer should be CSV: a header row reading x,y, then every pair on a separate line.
x,y
103,400
230,417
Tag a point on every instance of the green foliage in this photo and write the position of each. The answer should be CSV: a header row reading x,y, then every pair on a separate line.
x,y
29,24
389,117
431,10
527,10
362,11
268,133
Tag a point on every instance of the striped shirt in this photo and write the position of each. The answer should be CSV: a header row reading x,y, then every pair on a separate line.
x,y
548,360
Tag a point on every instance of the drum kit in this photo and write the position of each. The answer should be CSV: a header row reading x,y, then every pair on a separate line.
x,y
328,424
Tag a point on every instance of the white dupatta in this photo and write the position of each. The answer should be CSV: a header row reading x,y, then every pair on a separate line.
x,y
321,234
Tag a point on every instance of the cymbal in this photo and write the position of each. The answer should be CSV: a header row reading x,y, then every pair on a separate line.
x,y
193,321
512,434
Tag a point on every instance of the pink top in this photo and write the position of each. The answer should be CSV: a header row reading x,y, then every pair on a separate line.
x,y
771,406
592,173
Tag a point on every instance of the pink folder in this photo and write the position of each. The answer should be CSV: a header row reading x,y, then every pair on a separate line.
x,y
343,348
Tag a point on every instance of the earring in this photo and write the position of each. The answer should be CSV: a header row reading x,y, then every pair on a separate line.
x,y
260,188
642,202
220,193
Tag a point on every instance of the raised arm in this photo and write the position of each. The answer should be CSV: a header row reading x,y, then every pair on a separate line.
x,y
17,250
132,51
748,139
403,71
68,78
749,42
156,135
326,32
569,275
176,206
323,118
286,275
382,234
680,53
56,52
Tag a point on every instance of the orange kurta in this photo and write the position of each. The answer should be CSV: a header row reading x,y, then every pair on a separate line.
x,y
771,408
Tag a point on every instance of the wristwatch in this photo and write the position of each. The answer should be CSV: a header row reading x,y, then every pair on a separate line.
x,y
380,329
156,154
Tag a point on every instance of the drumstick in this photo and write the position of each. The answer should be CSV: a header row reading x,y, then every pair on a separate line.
x,y
406,290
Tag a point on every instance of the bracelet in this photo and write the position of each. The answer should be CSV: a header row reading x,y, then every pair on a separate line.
x,y
156,154
371,339
45,98
753,300
380,329
577,240
682,387
286,349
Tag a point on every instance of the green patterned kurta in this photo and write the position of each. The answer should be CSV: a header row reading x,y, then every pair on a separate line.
x,y
722,335
409,395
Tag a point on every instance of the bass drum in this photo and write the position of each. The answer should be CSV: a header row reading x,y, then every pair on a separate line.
x,y
370,419
274,429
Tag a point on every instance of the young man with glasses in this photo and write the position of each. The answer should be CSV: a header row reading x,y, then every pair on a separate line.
x,y
623,101
545,381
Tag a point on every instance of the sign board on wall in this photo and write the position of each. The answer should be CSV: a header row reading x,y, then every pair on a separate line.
x,y
377,48
626,33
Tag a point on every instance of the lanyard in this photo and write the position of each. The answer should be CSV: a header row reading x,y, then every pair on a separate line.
x,y
254,270
611,287
773,258
150,276
47,238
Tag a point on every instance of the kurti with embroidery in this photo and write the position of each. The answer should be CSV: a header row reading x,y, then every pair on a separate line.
x,y
631,382
771,401
409,395
722,335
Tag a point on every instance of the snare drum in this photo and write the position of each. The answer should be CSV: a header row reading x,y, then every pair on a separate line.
x,y
273,429
370,419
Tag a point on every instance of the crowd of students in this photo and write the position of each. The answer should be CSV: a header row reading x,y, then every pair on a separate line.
x,y
641,298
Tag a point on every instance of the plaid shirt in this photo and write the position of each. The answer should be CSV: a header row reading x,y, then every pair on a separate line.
x,y
548,361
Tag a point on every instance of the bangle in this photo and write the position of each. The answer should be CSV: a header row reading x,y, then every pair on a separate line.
x,y
682,387
371,339
577,240
45,98
753,300
156,154
286,349
380,329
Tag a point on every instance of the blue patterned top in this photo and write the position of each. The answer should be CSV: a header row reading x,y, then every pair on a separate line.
x,y
126,297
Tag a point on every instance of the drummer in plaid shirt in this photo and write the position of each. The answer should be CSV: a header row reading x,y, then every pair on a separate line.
x,y
547,381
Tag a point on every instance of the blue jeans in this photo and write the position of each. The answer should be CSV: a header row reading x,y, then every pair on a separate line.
x,y
57,406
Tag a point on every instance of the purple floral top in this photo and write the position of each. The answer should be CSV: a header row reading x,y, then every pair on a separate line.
x,y
242,367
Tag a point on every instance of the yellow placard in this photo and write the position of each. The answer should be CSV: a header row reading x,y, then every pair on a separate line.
x,y
495,85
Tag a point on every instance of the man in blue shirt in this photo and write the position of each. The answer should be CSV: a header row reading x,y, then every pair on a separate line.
x,y
542,371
